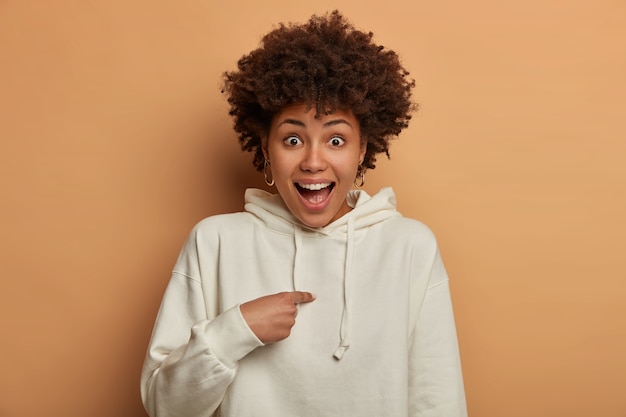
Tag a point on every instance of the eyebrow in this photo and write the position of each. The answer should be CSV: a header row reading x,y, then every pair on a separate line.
x,y
330,123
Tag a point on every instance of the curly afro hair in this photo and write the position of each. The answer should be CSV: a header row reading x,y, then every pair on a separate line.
x,y
327,64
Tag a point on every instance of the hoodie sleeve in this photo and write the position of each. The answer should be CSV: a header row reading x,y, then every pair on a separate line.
x,y
194,352
435,378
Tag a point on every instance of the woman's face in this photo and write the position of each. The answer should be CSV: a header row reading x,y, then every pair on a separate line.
x,y
314,161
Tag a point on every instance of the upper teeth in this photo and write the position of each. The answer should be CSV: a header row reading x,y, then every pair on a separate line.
x,y
315,187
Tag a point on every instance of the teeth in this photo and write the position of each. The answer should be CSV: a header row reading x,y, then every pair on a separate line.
x,y
315,187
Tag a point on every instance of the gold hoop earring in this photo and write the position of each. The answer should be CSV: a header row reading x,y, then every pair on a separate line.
x,y
361,174
266,164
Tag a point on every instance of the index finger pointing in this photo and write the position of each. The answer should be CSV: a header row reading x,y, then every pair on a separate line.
x,y
302,297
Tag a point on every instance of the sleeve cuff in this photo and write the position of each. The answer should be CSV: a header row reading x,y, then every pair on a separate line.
x,y
229,337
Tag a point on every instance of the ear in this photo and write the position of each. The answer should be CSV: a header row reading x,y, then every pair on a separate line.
x,y
266,153
362,151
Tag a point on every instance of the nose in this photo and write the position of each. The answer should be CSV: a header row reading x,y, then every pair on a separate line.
x,y
313,159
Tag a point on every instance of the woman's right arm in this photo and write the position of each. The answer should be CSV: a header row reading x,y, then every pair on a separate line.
x,y
196,347
192,359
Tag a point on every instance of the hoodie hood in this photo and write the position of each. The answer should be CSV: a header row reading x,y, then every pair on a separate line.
x,y
366,211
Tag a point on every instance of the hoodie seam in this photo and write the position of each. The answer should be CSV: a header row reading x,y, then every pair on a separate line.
x,y
437,284
184,275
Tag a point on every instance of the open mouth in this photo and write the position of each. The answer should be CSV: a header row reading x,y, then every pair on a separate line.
x,y
315,193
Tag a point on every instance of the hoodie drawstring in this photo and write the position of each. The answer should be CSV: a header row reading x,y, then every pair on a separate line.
x,y
344,343
297,241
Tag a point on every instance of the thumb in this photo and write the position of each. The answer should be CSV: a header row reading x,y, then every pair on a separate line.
x,y
302,297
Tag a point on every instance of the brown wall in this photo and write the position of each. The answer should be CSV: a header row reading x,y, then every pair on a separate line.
x,y
115,141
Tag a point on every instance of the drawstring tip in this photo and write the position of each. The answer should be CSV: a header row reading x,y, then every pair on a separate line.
x,y
340,351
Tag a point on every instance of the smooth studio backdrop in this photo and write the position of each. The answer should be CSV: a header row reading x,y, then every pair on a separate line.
x,y
115,141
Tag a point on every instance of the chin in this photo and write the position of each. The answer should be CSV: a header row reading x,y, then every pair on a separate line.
x,y
315,223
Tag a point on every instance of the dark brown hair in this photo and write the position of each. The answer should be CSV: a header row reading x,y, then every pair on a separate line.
x,y
327,64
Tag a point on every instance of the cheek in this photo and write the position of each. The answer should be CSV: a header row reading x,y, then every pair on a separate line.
x,y
347,168
281,166
354,160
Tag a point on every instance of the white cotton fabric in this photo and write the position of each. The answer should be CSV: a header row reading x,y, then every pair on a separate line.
x,y
379,340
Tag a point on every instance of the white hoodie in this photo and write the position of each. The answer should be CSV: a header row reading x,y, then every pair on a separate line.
x,y
379,340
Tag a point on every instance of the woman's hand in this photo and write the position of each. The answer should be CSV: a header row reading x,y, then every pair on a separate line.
x,y
272,317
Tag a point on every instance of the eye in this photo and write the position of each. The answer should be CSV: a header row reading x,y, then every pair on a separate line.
x,y
336,141
293,141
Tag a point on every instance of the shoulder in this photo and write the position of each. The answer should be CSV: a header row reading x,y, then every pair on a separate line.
x,y
219,221
403,237
211,228
410,230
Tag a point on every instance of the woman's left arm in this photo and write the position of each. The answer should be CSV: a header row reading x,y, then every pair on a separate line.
x,y
436,386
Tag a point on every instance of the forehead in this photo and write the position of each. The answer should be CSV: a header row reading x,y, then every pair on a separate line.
x,y
306,115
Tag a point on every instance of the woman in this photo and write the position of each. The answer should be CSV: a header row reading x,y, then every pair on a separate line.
x,y
319,300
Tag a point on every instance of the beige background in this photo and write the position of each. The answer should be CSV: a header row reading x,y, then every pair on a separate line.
x,y
115,140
